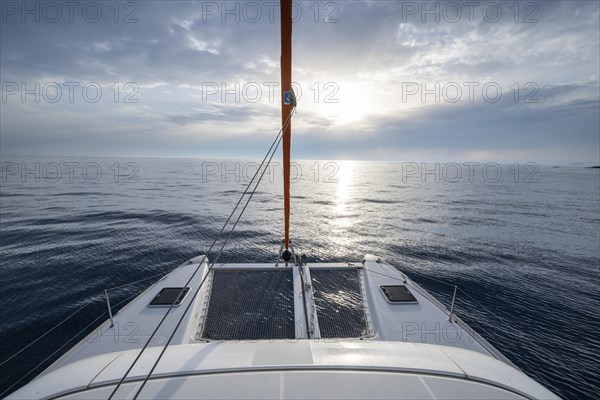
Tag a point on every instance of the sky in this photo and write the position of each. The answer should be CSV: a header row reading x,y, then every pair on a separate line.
x,y
375,80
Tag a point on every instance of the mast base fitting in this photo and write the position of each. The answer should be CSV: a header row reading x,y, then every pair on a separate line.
x,y
286,255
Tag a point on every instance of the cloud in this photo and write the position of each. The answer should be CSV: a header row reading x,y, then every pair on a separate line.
x,y
363,58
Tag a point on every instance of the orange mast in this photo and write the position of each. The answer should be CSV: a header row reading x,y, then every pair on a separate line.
x,y
286,105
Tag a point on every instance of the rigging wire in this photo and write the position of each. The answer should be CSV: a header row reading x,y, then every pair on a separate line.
x,y
270,151
141,280
209,269
61,347
93,298
460,289
50,330
502,320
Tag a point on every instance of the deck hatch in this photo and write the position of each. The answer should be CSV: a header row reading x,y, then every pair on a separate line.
x,y
168,296
398,294
250,305
339,303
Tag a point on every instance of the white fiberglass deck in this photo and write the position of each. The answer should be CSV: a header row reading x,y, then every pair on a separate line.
x,y
306,330
308,369
423,322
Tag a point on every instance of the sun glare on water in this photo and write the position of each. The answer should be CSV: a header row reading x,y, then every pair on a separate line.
x,y
344,179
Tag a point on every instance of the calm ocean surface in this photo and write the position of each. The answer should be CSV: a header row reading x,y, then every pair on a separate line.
x,y
521,242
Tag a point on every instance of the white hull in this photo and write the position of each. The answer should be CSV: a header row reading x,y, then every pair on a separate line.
x,y
405,350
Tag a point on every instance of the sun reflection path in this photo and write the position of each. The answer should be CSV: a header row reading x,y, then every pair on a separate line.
x,y
345,178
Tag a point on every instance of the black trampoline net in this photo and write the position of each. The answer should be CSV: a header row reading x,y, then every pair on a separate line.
x,y
251,305
339,303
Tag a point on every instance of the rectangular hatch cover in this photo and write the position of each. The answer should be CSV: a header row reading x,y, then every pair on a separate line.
x,y
168,296
398,294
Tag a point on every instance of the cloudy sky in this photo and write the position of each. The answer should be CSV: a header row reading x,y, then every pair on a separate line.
x,y
376,80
